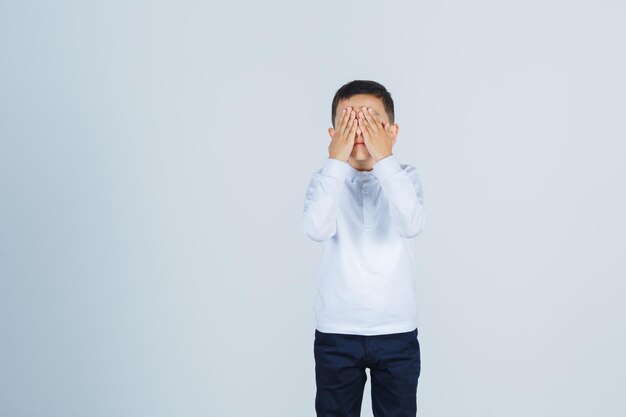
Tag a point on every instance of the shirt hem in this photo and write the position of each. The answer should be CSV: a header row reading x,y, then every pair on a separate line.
x,y
403,327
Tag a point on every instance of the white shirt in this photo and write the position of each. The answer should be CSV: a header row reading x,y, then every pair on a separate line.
x,y
365,220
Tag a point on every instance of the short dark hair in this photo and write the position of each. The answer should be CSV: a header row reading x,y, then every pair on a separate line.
x,y
363,87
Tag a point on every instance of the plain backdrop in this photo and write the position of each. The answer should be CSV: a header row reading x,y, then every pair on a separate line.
x,y
153,164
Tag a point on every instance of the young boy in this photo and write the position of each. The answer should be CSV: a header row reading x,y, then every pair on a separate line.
x,y
364,206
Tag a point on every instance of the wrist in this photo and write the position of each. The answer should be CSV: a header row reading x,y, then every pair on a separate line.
x,y
338,158
383,156
335,168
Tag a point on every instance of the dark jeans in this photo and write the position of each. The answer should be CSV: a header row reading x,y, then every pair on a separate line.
x,y
340,362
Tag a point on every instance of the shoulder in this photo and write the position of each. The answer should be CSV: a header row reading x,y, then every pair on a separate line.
x,y
406,167
409,169
413,174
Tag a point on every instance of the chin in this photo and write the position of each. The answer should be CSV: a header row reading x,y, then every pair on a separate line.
x,y
358,156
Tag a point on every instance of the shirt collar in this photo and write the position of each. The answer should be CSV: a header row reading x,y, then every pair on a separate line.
x,y
354,173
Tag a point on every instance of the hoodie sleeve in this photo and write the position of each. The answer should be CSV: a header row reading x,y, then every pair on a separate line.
x,y
321,202
402,188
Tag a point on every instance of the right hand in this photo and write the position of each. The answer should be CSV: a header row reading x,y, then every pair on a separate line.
x,y
342,141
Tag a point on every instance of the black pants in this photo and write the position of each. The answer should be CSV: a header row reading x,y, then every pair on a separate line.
x,y
340,362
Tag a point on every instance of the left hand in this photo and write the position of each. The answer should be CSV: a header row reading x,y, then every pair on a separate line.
x,y
376,134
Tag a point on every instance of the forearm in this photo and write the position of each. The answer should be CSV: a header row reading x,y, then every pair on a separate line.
x,y
321,203
403,191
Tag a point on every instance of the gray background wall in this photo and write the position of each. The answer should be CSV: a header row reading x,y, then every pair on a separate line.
x,y
153,164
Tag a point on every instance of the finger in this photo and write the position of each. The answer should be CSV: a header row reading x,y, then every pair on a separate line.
x,y
349,125
352,126
369,116
343,122
389,133
378,120
349,116
339,123
366,134
368,124
365,126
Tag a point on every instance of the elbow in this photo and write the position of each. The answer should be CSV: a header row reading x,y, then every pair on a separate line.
x,y
416,224
318,233
318,237
412,232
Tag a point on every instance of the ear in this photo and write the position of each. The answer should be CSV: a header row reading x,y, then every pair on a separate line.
x,y
331,132
394,129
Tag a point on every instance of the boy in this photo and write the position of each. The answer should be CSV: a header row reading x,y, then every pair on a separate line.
x,y
364,206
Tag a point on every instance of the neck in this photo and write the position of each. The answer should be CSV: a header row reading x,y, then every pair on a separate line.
x,y
366,165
